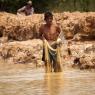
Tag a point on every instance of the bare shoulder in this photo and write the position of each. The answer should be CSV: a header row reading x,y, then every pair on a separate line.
x,y
58,28
56,25
42,26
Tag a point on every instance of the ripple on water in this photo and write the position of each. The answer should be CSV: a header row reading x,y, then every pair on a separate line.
x,y
24,80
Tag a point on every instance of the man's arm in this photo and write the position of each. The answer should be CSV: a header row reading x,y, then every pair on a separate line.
x,y
21,10
32,10
61,37
58,29
41,32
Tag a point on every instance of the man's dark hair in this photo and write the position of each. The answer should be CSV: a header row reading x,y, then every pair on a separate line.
x,y
47,15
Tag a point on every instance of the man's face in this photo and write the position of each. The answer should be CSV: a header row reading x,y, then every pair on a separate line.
x,y
28,6
49,20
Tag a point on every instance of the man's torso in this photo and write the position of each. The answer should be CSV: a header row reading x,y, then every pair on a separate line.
x,y
50,33
28,11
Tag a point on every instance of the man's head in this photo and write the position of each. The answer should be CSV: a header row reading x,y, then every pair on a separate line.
x,y
48,17
29,3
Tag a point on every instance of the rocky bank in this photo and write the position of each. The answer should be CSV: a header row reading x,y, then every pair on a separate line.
x,y
19,35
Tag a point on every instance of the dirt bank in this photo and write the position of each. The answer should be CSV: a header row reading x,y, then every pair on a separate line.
x,y
19,43
20,27
30,51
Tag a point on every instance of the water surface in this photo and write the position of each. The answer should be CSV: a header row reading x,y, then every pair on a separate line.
x,y
22,79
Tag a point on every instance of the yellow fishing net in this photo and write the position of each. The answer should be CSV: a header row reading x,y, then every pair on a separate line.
x,y
50,52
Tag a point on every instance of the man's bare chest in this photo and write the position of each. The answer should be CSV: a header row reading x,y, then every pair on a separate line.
x,y
51,31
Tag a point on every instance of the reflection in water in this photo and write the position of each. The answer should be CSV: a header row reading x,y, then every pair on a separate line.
x,y
54,83
22,79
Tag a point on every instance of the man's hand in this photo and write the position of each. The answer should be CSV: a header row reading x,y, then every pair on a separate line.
x,y
59,41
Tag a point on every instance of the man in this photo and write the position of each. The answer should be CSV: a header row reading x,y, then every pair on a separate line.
x,y
49,33
27,10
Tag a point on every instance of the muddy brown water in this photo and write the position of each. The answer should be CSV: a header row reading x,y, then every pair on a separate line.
x,y
23,79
